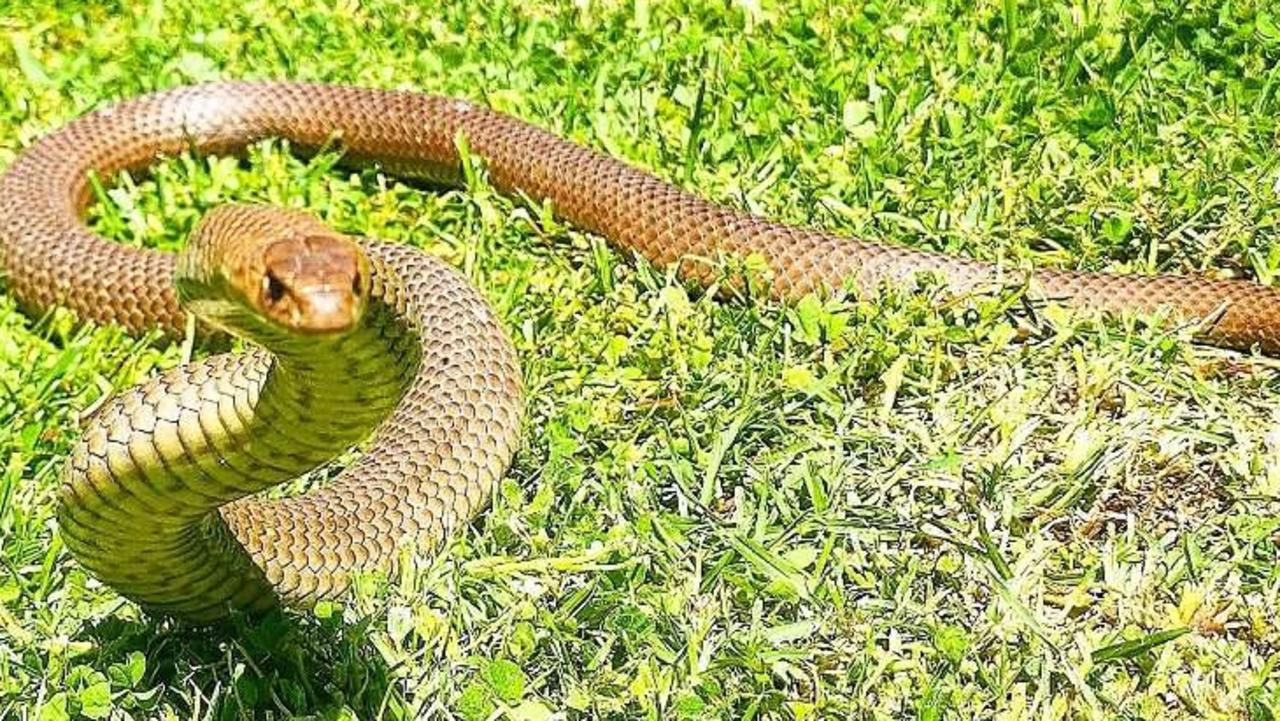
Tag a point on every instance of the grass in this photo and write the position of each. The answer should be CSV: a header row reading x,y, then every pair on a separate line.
x,y
847,508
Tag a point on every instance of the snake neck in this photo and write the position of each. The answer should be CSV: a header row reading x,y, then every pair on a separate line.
x,y
321,396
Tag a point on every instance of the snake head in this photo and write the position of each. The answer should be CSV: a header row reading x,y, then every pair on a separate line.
x,y
310,283
266,273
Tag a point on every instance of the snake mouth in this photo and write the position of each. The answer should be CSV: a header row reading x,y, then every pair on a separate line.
x,y
318,312
314,284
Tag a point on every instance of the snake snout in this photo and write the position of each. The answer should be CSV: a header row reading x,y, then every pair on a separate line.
x,y
314,284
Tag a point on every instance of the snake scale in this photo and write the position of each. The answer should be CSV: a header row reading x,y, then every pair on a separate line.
x,y
160,498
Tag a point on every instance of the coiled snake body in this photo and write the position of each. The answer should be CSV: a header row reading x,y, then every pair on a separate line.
x,y
158,498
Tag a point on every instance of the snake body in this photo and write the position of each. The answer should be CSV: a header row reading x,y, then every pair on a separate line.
x,y
160,497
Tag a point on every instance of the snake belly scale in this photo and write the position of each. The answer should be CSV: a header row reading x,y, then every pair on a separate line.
x,y
160,498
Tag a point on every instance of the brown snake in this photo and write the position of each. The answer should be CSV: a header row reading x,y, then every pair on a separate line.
x,y
158,497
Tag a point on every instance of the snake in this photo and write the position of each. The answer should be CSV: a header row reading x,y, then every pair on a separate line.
x,y
355,344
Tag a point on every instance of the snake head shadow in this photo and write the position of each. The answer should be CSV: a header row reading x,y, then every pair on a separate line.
x,y
259,271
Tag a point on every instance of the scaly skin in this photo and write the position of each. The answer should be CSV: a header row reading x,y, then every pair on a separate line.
x,y
155,496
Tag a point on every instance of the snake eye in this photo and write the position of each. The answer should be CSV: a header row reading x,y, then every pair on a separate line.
x,y
272,289
356,285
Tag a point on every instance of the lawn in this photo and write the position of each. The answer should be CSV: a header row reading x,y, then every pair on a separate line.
x,y
875,508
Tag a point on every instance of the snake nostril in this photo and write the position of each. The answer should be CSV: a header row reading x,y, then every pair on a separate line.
x,y
272,288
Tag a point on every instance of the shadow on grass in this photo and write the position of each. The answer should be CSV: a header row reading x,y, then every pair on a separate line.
x,y
273,665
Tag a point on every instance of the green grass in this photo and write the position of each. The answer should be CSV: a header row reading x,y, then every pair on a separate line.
x,y
878,508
